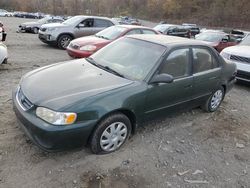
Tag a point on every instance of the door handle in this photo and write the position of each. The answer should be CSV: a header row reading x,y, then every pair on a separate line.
x,y
213,78
188,86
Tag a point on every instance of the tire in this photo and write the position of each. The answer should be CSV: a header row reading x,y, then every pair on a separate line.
x,y
101,144
63,41
214,101
35,30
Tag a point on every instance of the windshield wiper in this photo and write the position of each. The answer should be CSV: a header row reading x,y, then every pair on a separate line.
x,y
113,71
103,37
107,68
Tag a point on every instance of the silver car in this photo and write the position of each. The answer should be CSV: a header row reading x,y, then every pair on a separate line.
x,y
33,27
75,27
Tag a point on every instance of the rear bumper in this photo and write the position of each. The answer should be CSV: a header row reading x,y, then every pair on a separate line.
x,y
49,137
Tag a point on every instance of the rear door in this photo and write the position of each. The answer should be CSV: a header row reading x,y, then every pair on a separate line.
x,y
206,71
100,24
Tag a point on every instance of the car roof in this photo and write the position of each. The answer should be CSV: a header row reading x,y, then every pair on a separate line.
x,y
87,16
134,26
167,41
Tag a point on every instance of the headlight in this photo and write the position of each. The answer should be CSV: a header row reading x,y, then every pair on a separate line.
x,y
88,48
225,55
56,118
52,29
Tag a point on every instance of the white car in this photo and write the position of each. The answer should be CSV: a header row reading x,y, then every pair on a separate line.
x,y
3,53
240,55
5,13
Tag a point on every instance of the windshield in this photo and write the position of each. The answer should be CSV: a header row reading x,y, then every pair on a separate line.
x,y
129,57
162,28
43,20
246,41
74,20
111,32
209,37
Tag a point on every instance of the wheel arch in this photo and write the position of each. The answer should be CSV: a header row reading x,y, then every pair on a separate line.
x,y
70,34
131,116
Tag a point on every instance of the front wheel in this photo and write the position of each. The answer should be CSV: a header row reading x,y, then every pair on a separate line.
x,y
64,41
110,134
35,30
214,101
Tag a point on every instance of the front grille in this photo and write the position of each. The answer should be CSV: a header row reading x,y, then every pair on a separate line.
x,y
240,58
74,46
23,101
43,29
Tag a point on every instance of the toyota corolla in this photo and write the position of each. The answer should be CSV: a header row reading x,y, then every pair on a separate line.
x,y
101,100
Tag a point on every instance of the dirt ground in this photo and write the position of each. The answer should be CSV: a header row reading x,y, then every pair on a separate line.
x,y
190,149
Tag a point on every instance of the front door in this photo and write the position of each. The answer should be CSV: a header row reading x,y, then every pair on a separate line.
x,y
163,97
85,28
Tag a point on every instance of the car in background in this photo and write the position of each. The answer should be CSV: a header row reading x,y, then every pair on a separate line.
x,y
126,20
102,99
3,53
33,27
5,13
240,55
218,40
86,46
195,30
173,30
60,34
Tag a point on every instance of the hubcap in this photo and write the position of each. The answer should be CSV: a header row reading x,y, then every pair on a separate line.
x,y
113,136
65,42
216,99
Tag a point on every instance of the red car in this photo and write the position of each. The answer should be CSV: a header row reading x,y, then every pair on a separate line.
x,y
218,40
86,46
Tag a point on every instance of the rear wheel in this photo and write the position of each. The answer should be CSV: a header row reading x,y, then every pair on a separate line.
x,y
111,134
214,101
35,30
64,41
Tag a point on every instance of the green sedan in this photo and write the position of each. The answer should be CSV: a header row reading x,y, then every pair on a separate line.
x,y
101,100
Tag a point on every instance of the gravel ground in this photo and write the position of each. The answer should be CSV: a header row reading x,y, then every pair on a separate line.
x,y
190,149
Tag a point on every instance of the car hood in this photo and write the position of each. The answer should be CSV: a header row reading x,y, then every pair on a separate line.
x,y
60,85
30,24
90,40
52,25
239,50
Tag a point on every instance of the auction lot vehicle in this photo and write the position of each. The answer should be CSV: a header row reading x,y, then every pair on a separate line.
x,y
3,54
102,99
218,40
5,13
173,30
86,46
34,27
240,55
75,27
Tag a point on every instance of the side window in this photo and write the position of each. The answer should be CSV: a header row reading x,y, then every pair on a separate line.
x,y
203,60
133,32
101,23
88,23
177,63
146,31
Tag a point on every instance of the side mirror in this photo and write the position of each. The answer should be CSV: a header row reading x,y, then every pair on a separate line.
x,y
162,78
239,40
81,25
224,40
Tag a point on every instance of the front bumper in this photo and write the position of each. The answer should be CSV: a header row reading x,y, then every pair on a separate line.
x,y
75,53
243,76
47,38
49,137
